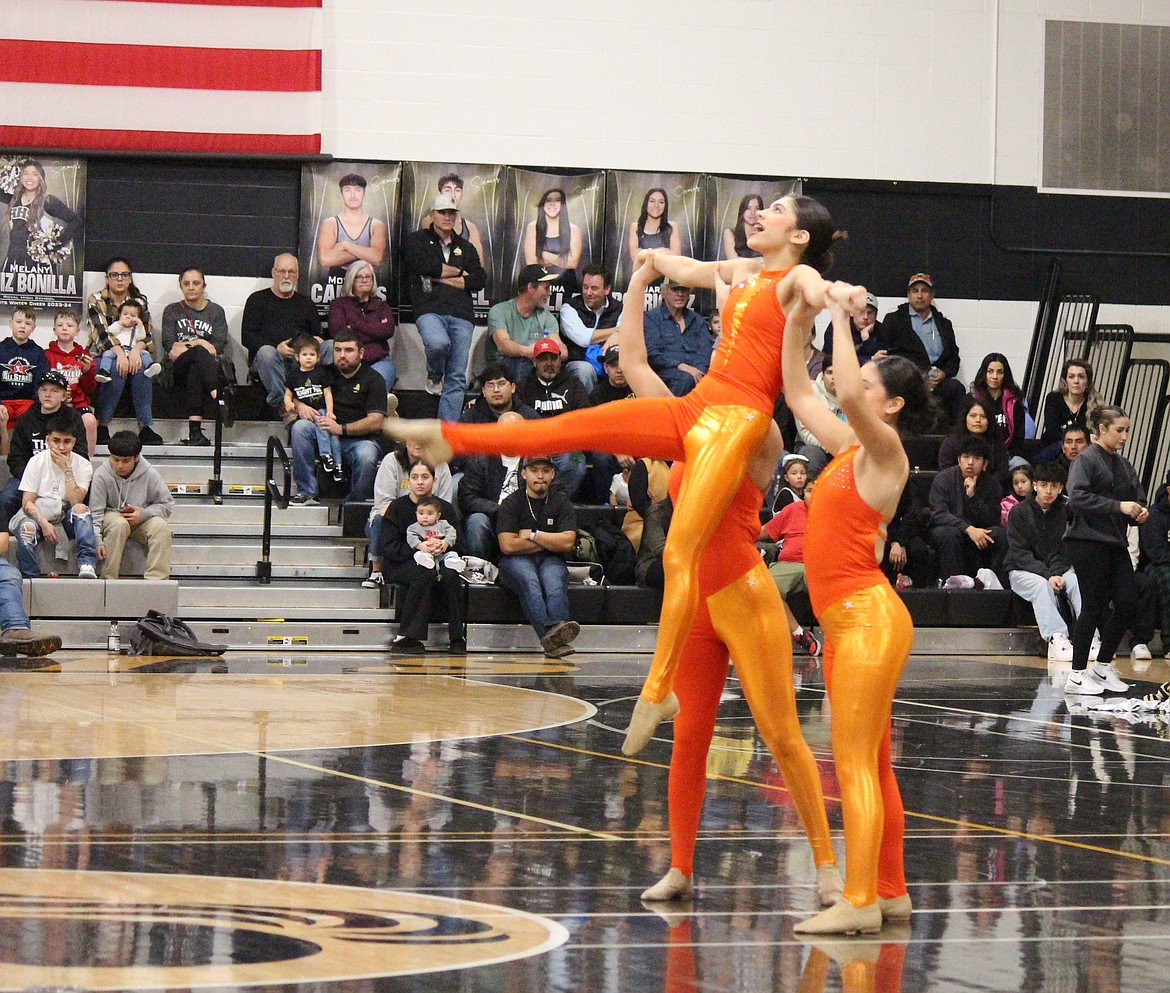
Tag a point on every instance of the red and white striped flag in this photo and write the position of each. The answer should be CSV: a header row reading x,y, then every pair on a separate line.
x,y
161,75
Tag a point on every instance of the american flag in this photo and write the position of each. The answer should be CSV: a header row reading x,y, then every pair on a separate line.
x,y
236,76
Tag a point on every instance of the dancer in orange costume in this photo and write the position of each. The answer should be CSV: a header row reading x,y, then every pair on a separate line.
x,y
715,429
868,633
740,612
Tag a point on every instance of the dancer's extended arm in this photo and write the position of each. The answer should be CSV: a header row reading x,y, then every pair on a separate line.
x,y
631,339
833,435
691,272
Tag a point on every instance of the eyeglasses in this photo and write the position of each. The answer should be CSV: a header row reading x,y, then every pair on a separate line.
x,y
119,275
363,276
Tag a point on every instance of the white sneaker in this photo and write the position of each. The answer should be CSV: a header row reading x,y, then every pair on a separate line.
x,y
435,386
152,370
1082,682
454,562
374,581
1059,648
425,559
989,579
1107,676
1140,652
102,377
87,572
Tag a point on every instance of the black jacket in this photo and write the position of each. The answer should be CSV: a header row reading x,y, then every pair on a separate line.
x,y
479,411
28,437
479,489
563,393
1035,536
899,339
951,507
1154,535
423,254
400,515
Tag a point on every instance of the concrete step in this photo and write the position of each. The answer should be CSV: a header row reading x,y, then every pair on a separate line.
x,y
281,599
246,511
306,532
212,553
289,615
246,569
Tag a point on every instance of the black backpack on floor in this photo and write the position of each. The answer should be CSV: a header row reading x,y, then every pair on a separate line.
x,y
159,634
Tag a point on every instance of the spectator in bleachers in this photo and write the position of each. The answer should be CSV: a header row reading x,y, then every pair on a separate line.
x,y
1021,487
964,503
648,484
312,386
22,363
359,408
1155,545
17,637
28,438
866,331
517,325
125,354
824,389
1037,568
537,528
678,340
612,387
787,530
487,481
655,525
1067,406
52,506
908,561
995,387
497,397
359,309
422,584
195,344
130,501
444,271
589,318
550,390
452,186
78,368
790,482
735,238
918,331
272,318
1073,441
391,482
974,419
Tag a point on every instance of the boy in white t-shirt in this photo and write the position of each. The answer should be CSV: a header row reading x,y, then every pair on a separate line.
x,y
52,489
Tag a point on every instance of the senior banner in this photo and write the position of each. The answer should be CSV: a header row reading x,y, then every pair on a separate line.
x,y
42,232
348,211
478,191
733,202
555,220
652,210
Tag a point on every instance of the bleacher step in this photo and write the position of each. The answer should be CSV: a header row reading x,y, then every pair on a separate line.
x,y
281,599
246,568
250,512
209,553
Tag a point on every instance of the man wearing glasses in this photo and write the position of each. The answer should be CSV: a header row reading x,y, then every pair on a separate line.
x,y
272,318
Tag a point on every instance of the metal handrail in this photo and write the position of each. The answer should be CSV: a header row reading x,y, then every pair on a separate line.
x,y
272,493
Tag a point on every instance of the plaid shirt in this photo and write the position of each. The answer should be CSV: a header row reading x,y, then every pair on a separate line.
x,y
103,312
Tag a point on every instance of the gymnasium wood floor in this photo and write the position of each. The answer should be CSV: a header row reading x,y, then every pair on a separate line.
x,y
351,824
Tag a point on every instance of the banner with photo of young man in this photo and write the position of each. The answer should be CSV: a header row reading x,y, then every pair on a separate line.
x,y
348,210
478,192
652,210
555,220
42,232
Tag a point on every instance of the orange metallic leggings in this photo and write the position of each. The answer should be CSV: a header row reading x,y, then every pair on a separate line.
x,y
745,619
868,635
717,441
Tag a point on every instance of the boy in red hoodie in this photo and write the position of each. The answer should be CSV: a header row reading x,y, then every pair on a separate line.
x,y
77,365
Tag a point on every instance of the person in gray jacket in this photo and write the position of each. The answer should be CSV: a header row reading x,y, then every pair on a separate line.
x,y
129,500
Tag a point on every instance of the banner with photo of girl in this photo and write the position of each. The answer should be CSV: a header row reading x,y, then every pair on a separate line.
x,y
478,191
733,204
42,232
652,210
348,211
555,220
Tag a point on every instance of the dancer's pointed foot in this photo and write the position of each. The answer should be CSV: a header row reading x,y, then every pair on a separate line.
x,y
898,908
844,918
673,886
424,432
830,886
645,720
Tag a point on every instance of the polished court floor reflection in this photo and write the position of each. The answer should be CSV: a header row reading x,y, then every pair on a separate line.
x,y
358,823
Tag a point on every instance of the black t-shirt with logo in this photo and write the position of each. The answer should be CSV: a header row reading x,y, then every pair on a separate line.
x,y
309,387
362,393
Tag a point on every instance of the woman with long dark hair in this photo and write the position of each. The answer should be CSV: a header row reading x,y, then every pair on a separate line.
x,y
716,428
735,238
32,211
867,628
653,228
996,388
976,420
552,240
1105,497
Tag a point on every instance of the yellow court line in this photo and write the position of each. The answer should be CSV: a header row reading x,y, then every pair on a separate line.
x,y
969,825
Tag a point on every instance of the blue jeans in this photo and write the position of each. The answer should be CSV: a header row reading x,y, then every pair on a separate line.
x,y
584,372
387,370
12,613
359,455
520,368
374,533
447,341
479,535
570,471
141,390
273,371
328,444
78,527
541,581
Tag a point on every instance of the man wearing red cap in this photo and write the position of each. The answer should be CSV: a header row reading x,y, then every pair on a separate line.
x,y
918,331
550,389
